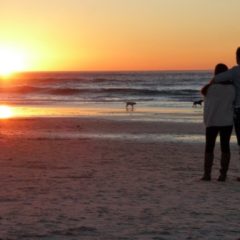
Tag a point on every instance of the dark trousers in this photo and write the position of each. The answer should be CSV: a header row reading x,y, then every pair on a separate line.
x,y
211,135
225,135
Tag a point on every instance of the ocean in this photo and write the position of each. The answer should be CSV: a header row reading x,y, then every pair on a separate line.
x,y
153,91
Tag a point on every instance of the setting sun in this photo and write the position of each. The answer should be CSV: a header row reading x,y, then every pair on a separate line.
x,y
5,112
11,61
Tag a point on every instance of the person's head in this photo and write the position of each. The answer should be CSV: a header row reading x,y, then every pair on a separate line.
x,y
238,55
220,67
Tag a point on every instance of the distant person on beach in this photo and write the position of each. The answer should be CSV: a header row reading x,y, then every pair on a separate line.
x,y
233,75
218,119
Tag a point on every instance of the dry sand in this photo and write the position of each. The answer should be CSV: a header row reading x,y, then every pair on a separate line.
x,y
68,179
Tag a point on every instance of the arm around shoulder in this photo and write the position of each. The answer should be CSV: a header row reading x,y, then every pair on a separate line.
x,y
225,76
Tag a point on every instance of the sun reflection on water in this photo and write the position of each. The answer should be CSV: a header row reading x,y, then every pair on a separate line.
x,y
168,115
5,112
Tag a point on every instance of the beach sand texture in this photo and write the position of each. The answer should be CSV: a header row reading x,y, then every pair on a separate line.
x,y
106,179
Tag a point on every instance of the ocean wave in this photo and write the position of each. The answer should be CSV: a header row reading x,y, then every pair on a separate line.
x,y
66,91
22,89
59,87
117,91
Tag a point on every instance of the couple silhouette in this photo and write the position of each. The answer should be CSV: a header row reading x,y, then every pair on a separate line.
x,y
221,113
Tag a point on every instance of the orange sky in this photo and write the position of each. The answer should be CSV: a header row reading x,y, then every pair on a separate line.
x,y
121,34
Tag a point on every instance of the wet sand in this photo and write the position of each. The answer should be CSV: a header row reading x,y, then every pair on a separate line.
x,y
93,178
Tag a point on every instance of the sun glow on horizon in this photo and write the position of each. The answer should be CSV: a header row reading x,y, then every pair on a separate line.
x,y
5,112
117,35
11,61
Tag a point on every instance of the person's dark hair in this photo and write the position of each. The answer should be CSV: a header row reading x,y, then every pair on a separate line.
x,y
238,54
220,68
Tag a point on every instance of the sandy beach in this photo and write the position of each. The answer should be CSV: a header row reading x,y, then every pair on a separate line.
x,y
93,178
101,119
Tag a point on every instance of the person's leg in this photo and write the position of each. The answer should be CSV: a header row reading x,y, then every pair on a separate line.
x,y
237,131
211,135
225,135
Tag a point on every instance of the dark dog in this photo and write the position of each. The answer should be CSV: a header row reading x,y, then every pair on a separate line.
x,y
130,104
196,103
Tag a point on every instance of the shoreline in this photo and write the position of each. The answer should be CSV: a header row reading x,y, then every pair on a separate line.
x,y
97,127
105,129
107,111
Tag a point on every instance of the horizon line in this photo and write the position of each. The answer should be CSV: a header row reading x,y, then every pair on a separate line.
x,y
134,70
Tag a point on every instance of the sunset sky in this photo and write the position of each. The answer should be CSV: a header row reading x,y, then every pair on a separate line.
x,y
120,34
